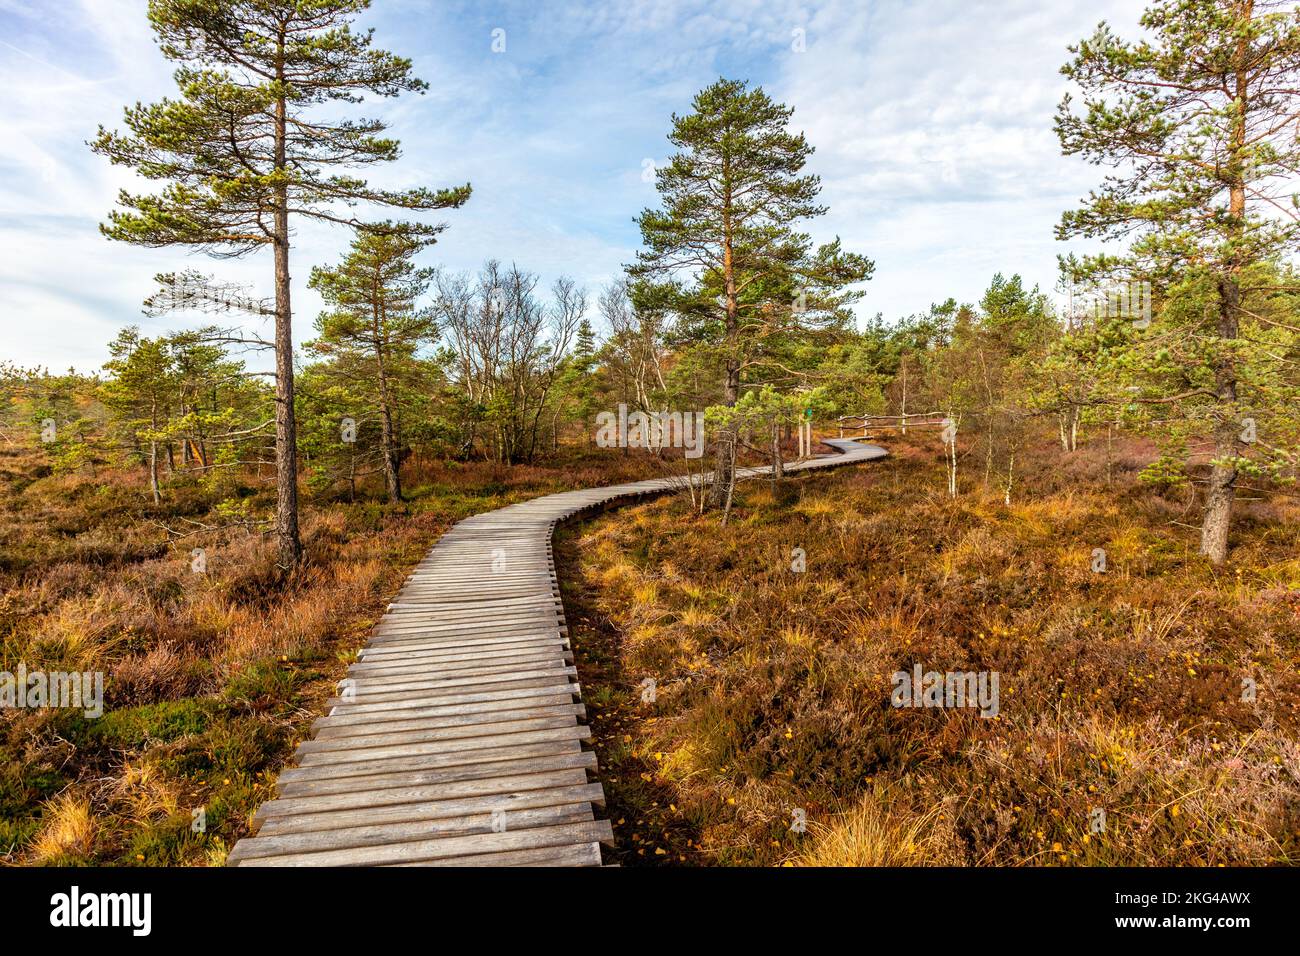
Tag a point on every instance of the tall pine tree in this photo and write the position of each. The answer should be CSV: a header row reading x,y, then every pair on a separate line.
x,y
142,393
375,327
244,150
1199,121
724,253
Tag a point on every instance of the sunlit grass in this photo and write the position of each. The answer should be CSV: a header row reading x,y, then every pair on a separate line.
x,y
210,678
1121,689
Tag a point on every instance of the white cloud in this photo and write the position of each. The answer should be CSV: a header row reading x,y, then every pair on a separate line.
x,y
932,123
933,128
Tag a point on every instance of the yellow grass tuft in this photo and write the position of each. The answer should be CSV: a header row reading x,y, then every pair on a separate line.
x,y
867,835
67,829
799,635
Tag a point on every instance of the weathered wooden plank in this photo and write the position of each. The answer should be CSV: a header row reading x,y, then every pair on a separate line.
x,y
512,613
460,758
508,656
466,637
315,758
415,850
363,691
324,780
560,696
387,834
459,651
420,801
377,701
432,670
454,627
547,689
426,648
450,721
421,735
406,685
500,798
582,854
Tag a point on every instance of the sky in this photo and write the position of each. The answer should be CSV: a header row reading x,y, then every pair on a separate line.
x,y
931,121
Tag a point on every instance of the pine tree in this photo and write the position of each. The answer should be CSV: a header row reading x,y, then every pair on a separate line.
x,y
1200,122
584,345
242,152
576,387
376,327
141,393
723,253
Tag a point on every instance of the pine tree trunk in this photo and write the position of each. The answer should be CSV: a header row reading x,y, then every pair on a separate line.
x,y
286,431
1223,474
902,411
1011,470
153,454
726,462
988,455
392,467
153,472
723,472
729,489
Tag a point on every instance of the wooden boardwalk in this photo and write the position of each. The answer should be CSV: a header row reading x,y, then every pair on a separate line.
x,y
457,738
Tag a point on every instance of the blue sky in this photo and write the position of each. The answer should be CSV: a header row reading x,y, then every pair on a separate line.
x,y
931,120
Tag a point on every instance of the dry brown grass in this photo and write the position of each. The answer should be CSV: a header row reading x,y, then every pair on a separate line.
x,y
210,678
1119,691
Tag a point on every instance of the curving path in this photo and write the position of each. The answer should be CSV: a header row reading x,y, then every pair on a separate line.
x,y
456,739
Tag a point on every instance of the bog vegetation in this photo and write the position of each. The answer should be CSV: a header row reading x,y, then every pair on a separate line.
x,y
1120,692
216,517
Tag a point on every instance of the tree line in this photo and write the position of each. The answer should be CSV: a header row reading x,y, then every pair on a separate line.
x,y
1188,334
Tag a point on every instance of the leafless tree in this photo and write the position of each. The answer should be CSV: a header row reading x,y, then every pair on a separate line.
x,y
509,349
